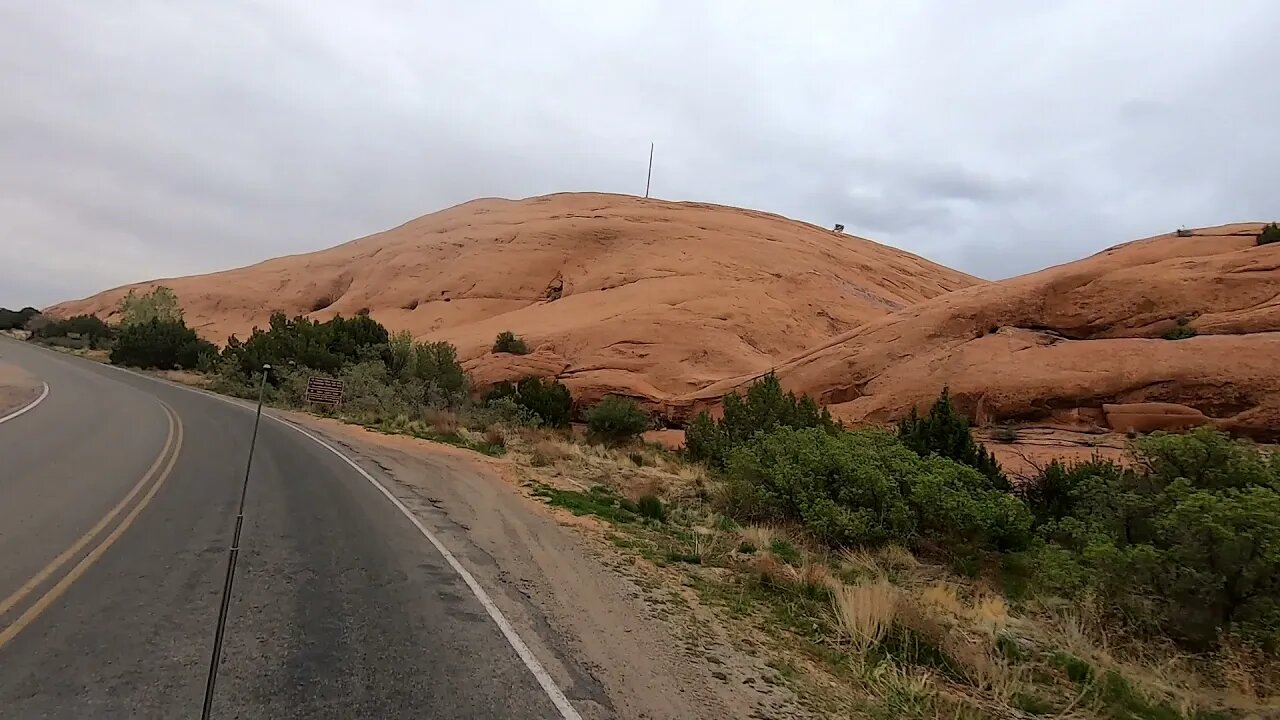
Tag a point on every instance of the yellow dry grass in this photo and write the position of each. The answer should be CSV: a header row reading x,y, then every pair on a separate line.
x,y
758,536
866,612
441,421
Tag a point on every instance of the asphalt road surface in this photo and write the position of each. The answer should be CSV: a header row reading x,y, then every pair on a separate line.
x,y
118,496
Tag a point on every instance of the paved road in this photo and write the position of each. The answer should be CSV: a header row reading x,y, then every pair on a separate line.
x,y
117,501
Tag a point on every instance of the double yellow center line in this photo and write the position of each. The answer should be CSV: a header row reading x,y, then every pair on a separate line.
x,y
151,482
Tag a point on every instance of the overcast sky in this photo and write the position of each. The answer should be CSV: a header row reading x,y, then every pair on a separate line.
x,y
146,139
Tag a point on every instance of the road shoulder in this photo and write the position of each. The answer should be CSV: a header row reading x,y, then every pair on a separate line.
x,y
592,623
17,388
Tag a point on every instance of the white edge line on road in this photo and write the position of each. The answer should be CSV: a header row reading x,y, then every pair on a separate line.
x,y
43,394
553,691
540,673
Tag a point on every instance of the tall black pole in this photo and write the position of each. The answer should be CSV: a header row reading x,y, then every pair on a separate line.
x,y
649,177
231,561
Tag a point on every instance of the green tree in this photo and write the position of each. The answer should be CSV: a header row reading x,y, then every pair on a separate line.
x,y
509,342
865,488
1270,233
764,407
617,419
159,304
160,344
324,346
548,399
1184,543
945,432
16,319
90,328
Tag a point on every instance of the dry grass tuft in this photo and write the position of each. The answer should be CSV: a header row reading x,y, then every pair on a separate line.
x,y
769,569
818,575
443,422
758,536
990,613
866,612
887,562
496,435
941,597
555,451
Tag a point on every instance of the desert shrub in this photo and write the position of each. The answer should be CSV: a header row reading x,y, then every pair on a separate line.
x,y
651,506
1180,331
90,328
509,342
16,319
945,432
324,346
1270,233
763,408
159,344
160,304
548,399
617,419
1185,544
436,366
866,488
503,411
1052,495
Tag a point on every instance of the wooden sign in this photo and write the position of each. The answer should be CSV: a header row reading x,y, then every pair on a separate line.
x,y
324,390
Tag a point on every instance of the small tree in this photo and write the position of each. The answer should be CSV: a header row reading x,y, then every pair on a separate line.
x,y
16,319
764,407
945,432
509,342
617,419
164,345
1270,233
90,328
1181,331
159,304
547,399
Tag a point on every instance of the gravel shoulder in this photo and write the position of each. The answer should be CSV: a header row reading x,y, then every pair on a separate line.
x,y
17,388
610,639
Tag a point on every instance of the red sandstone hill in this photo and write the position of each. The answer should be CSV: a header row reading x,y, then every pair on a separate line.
x,y
1078,344
615,293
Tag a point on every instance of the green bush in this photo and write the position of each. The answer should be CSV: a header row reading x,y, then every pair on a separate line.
x,y
163,345
324,346
865,488
945,432
764,407
509,342
16,319
160,304
90,328
1270,233
549,400
503,411
1186,543
1180,331
617,419
651,506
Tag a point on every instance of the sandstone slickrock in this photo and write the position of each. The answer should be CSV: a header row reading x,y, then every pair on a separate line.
x,y
1073,339
615,293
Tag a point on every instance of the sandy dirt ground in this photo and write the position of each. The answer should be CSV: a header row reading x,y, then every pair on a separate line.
x,y
17,388
630,654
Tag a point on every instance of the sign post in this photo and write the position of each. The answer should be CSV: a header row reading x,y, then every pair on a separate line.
x,y
324,391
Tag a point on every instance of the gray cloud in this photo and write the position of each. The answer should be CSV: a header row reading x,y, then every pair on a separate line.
x,y
147,139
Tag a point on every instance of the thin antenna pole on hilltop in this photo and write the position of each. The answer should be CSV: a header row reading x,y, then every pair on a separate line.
x,y
649,177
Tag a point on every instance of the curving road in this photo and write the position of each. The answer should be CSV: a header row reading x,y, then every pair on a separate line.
x,y
117,500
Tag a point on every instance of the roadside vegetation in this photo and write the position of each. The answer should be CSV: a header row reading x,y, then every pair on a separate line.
x,y
891,573
1270,233
897,581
